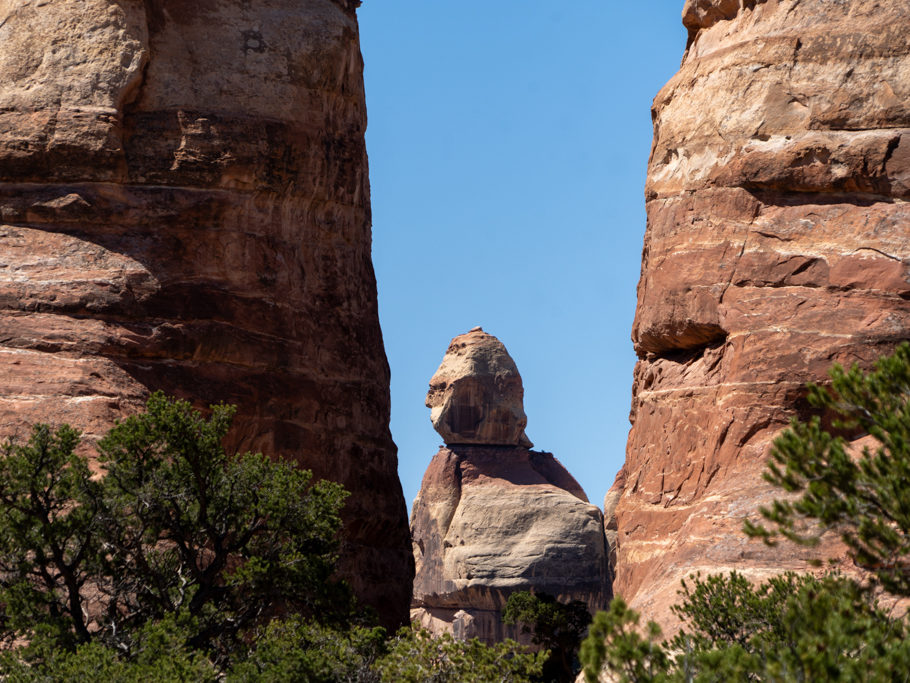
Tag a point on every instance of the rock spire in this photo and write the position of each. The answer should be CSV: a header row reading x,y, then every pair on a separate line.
x,y
476,395
492,516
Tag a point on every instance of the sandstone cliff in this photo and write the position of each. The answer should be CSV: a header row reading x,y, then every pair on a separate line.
x,y
493,517
184,205
778,242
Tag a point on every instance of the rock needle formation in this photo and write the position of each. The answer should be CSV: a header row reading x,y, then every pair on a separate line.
x,y
184,205
778,242
492,516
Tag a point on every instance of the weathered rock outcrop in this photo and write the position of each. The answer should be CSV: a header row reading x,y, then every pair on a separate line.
x,y
778,242
493,517
476,394
184,205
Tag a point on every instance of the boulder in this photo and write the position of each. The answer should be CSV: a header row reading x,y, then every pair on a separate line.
x,y
476,395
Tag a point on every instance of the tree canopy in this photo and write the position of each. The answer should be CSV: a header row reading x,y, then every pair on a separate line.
x,y
172,527
170,559
865,496
558,627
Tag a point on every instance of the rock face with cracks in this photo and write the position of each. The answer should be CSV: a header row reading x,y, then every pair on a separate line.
x,y
184,205
493,517
778,243
476,396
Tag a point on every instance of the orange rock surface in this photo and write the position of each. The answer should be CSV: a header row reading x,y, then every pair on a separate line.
x,y
184,205
778,243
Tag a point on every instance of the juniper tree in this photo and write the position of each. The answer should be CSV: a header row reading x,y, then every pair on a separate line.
x,y
558,627
172,527
864,496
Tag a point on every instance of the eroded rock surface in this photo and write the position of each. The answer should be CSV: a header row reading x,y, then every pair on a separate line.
x,y
476,395
778,242
491,519
184,205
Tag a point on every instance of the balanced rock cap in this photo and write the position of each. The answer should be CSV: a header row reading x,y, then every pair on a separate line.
x,y
476,395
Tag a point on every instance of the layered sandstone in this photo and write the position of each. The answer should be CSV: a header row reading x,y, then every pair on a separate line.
x,y
184,205
493,517
777,243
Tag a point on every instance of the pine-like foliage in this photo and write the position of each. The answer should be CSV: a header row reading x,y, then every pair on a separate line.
x,y
173,527
865,496
790,628
558,627
799,627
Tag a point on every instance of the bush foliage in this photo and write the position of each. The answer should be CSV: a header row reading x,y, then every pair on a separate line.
x,y
555,626
174,528
865,497
793,627
417,657
174,560
800,627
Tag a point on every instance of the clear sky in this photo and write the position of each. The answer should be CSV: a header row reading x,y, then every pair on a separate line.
x,y
508,144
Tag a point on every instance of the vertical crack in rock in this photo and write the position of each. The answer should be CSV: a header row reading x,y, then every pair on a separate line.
x,y
813,181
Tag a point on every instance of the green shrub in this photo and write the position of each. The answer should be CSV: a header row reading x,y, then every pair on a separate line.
x,y
556,626
417,657
176,528
798,627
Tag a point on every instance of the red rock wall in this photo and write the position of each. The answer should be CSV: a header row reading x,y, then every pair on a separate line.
x,y
184,205
778,242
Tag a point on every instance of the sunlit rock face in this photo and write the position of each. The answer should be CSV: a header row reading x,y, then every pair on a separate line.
x,y
184,205
777,243
493,517
476,395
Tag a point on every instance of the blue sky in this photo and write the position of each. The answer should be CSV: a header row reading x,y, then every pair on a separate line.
x,y
508,144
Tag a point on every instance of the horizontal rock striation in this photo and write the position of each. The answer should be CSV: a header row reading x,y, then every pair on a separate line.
x,y
493,518
489,521
184,205
777,244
